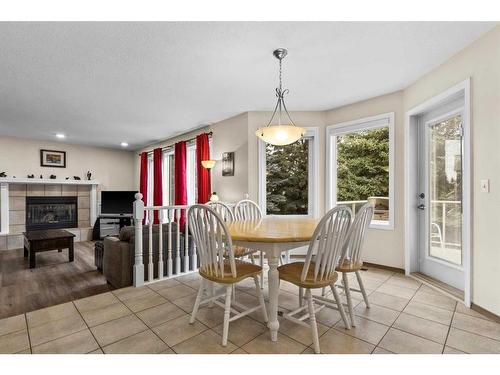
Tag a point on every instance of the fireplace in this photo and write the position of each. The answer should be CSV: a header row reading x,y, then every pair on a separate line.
x,y
51,212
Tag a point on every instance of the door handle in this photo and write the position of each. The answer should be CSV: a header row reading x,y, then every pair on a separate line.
x,y
421,207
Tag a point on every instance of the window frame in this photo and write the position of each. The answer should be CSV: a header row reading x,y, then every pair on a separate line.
x,y
313,192
366,123
151,181
191,178
166,174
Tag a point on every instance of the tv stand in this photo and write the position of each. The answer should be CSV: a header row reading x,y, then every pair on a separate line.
x,y
110,225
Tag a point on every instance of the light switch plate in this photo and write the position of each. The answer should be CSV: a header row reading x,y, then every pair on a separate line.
x,y
485,186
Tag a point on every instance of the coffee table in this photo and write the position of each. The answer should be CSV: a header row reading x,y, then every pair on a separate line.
x,y
45,240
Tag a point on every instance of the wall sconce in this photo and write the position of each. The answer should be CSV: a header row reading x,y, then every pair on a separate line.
x,y
208,164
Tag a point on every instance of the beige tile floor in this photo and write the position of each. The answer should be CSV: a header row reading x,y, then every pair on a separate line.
x,y
405,317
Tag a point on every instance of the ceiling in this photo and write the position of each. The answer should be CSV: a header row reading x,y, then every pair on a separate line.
x,y
104,83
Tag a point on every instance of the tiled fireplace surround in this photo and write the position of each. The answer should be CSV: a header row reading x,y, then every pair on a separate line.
x,y
17,210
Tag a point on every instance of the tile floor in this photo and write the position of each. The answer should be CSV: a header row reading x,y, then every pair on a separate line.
x,y
405,317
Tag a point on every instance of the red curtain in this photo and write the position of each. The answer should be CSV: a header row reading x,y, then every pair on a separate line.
x,y
143,183
203,153
180,177
158,180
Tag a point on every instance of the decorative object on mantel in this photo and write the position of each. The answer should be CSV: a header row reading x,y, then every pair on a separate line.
x,y
31,176
89,175
214,197
3,174
279,134
76,178
41,176
52,158
67,178
53,176
228,163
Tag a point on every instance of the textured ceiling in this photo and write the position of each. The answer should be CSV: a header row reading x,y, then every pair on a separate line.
x,y
102,83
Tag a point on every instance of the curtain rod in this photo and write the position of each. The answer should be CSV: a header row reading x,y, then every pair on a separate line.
x,y
187,140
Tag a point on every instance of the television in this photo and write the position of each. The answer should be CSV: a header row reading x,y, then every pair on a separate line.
x,y
117,202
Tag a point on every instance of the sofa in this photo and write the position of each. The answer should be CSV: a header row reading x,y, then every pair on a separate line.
x,y
119,253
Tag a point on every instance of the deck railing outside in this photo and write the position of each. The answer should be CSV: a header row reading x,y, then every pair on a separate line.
x,y
439,237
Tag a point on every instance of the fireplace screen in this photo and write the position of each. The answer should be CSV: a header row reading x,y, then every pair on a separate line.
x,y
51,212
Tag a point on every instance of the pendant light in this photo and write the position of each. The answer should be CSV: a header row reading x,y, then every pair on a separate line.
x,y
280,134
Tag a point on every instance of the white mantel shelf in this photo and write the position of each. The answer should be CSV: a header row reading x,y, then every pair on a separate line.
x,y
4,195
46,181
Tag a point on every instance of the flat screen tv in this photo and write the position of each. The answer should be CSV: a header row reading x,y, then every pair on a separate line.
x,y
117,202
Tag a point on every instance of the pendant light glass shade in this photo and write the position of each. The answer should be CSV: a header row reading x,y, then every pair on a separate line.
x,y
280,135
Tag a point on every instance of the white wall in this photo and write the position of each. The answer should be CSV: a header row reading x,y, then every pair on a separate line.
x,y
112,168
481,62
231,136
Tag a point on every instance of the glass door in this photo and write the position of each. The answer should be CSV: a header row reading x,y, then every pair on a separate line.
x,y
441,219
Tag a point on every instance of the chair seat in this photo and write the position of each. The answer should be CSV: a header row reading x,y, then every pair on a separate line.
x,y
243,271
349,266
292,273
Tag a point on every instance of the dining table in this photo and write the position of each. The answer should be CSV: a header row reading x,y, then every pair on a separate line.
x,y
273,235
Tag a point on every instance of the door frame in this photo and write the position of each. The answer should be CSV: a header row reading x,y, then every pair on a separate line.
x,y
411,179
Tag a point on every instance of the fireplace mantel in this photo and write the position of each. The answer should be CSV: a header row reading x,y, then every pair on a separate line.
x,y
4,195
45,181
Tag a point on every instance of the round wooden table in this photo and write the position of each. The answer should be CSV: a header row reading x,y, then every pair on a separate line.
x,y
273,235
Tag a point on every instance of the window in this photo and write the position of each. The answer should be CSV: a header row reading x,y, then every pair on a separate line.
x,y
360,164
168,176
287,175
191,172
150,180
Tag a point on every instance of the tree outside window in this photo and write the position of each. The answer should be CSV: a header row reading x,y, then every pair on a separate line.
x,y
287,178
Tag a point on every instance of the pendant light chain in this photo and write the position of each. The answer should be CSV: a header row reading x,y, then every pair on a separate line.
x,y
280,97
280,75
280,134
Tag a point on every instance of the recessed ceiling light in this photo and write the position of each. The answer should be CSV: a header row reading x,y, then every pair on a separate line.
x,y
60,135
124,144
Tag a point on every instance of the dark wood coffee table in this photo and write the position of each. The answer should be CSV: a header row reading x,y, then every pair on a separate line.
x,y
45,240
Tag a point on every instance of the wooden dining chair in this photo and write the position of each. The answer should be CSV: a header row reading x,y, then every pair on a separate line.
x,y
351,256
247,209
227,216
318,270
218,265
223,210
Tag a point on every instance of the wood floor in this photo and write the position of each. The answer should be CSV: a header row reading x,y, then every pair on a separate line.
x,y
53,281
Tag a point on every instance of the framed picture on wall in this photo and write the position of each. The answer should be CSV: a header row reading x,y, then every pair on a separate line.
x,y
228,163
52,158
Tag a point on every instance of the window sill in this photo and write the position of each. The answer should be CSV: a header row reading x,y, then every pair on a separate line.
x,y
383,225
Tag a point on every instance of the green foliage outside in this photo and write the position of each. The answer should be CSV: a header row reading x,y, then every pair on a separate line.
x,y
363,171
363,165
287,178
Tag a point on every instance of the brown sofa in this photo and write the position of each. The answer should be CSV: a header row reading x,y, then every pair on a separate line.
x,y
119,253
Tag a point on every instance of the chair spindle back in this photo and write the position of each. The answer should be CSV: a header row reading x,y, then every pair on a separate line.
x,y
247,209
212,240
356,237
325,248
223,210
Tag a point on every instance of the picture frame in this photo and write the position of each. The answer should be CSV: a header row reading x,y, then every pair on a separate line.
x,y
53,158
228,164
